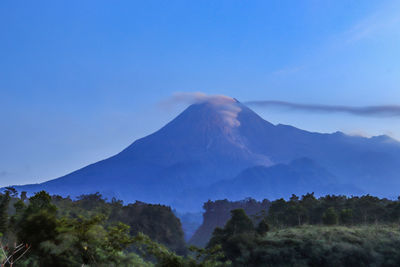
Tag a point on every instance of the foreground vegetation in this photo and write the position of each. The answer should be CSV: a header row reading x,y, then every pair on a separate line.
x,y
374,245
46,230
296,211
307,245
56,231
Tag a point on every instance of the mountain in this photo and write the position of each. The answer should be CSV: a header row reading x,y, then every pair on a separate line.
x,y
219,143
301,176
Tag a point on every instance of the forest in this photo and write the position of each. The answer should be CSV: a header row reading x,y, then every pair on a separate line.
x,y
45,230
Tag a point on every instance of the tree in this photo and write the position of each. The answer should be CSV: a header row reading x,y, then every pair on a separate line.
x,y
310,204
12,191
368,207
37,222
277,210
346,216
37,227
330,216
239,223
236,238
40,201
262,227
295,212
4,202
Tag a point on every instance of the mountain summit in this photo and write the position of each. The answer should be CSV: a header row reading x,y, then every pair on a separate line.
x,y
218,143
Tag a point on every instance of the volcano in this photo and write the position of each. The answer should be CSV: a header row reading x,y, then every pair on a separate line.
x,y
220,143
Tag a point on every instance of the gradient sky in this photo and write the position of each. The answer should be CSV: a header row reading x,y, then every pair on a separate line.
x,y
81,80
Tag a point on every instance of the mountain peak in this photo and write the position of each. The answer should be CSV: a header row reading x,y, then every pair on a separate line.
x,y
216,138
220,109
226,109
216,100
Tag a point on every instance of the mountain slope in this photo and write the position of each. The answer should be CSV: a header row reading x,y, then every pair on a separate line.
x,y
216,140
199,147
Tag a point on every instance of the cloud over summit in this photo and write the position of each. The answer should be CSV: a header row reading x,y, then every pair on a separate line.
x,y
225,105
197,97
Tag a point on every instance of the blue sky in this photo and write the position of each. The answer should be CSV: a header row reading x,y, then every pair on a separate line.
x,y
81,80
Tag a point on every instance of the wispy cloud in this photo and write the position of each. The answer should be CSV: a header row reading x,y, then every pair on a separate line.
x,y
382,24
195,97
369,111
225,105
385,20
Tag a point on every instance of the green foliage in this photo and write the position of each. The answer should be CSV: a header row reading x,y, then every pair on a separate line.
x,y
297,211
41,200
165,258
90,231
262,227
156,221
330,246
239,223
235,238
346,216
72,241
290,243
375,245
330,216
336,209
157,252
218,212
37,227
4,202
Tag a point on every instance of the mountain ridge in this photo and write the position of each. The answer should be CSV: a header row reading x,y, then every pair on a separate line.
x,y
216,140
